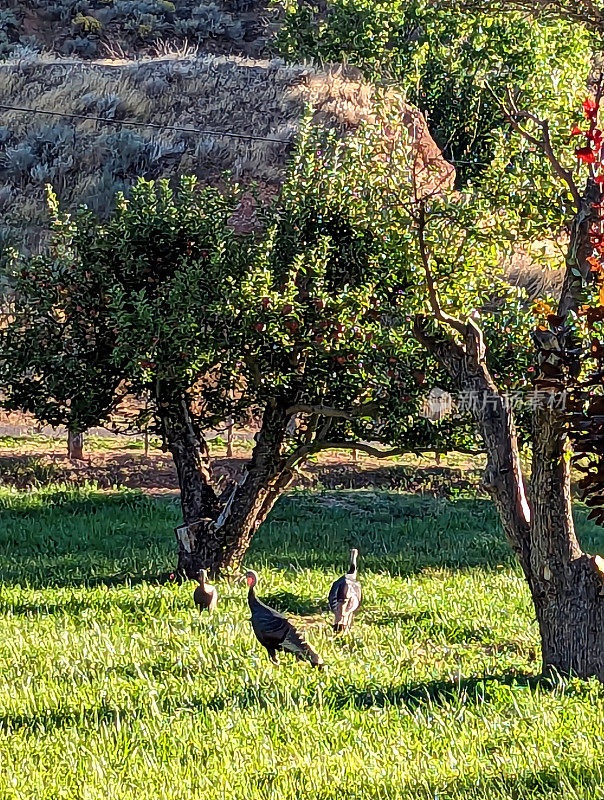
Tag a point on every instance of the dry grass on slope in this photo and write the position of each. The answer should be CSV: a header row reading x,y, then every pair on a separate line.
x,y
89,161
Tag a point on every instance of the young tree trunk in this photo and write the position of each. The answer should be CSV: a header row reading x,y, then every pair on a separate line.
x,y
229,447
565,583
75,445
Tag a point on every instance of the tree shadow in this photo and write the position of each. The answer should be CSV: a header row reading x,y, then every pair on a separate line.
x,y
466,691
74,537
290,603
394,532
75,606
547,782
45,720
426,623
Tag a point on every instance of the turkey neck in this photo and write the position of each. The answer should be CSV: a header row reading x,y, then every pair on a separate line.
x,y
352,569
251,598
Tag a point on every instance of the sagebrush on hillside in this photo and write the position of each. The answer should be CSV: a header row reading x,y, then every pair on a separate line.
x,y
88,162
93,28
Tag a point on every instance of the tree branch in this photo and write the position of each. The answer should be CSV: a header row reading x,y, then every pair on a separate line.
x,y
440,315
365,410
363,448
511,112
316,447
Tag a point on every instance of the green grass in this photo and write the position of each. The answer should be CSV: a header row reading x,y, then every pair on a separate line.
x,y
92,442
112,687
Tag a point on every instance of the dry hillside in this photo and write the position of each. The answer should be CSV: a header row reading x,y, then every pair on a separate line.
x,y
132,28
202,98
203,68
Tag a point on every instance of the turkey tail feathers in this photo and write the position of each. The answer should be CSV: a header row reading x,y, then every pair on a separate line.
x,y
295,644
343,615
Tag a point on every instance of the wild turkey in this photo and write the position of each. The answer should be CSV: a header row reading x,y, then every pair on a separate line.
x,y
205,595
345,596
274,631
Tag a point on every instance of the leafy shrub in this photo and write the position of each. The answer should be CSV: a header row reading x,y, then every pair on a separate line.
x,y
442,57
87,23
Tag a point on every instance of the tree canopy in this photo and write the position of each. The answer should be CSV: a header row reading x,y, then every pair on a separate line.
x,y
442,56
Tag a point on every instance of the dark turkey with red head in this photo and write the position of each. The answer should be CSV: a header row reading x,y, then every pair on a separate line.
x,y
205,595
345,596
274,631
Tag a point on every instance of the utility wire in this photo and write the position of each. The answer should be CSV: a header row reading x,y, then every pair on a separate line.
x,y
161,126
136,124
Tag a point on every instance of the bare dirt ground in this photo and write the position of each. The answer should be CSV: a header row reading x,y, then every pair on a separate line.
x,y
32,455
34,464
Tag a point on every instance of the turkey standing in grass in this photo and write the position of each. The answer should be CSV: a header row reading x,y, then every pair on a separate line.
x,y
345,596
274,631
205,595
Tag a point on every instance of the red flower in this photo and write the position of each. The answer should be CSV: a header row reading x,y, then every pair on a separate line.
x,y
599,179
590,108
586,154
575,131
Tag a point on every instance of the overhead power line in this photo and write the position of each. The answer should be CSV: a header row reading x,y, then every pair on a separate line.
x,y
180,129
136,124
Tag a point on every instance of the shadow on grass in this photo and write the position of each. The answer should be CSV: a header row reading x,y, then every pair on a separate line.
x,y
71,537
547,782
425,622
395,533
290,603
468,691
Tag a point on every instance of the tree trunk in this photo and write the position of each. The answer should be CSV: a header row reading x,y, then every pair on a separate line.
x,y
495,422
567,587
565,583
75,445
218,545
230,427
217,530
192,460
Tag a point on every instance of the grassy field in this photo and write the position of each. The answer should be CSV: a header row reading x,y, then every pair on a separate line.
x,y
111,686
